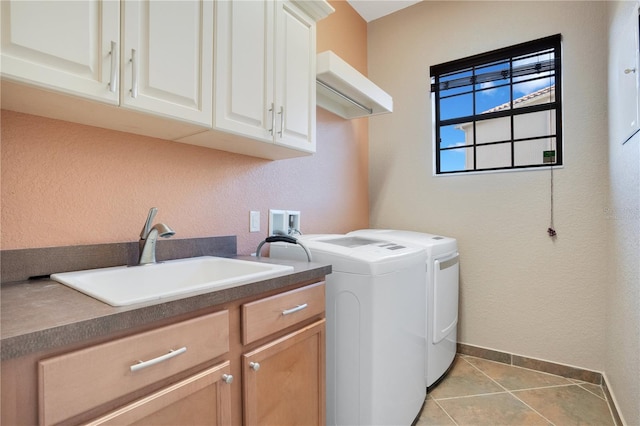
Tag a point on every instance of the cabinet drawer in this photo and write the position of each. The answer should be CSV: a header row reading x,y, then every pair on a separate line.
x,y
202,399
72,383
266,316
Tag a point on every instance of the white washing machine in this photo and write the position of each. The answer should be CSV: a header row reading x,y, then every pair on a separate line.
x,y
375,327
442,282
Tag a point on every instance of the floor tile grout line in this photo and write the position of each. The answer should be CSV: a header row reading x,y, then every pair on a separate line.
x,y
490,378
445,412
513,396
515,390
547,387
593,393
569,382
532,409
526,368
610,404
448,398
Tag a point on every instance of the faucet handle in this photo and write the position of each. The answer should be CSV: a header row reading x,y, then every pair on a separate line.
x,y
153,211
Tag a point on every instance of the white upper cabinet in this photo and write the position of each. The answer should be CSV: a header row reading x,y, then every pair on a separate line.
x,y
167,58
295,78
244,68
234,75
265,74
70,46
163,65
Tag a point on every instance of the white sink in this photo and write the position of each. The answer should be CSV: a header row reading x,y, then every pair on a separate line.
x,y
126,285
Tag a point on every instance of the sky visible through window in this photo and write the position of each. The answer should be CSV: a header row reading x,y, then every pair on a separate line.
x,y
495,92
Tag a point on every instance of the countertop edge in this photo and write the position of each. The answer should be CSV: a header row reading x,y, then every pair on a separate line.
x,y
109,320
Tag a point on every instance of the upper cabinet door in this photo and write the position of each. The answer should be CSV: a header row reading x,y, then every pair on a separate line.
x,y
69,46
167,58
244,68
295,78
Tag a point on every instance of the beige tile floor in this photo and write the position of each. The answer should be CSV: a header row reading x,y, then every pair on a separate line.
x,y
481,392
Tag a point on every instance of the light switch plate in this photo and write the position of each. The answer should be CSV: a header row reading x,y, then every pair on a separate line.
x,y
254,221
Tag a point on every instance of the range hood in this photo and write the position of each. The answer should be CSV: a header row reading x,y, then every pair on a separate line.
x,y
341,89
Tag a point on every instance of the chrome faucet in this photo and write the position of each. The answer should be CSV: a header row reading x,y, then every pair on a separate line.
x,y
149,236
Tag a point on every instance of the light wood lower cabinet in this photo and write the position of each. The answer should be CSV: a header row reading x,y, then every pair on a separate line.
x,y
256,361
76,382
202,399
282,380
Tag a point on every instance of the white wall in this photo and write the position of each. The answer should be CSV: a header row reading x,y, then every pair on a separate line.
x,y
622,362
521,291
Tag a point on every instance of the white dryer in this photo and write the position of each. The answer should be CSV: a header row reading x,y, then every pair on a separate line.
x,y
375,327
442,282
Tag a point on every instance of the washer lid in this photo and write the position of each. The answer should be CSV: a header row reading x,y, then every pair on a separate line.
x,y
354,254
434,244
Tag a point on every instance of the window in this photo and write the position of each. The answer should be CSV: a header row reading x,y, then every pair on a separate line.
x,y
499,110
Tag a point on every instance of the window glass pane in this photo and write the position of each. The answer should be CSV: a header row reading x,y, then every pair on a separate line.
x,y
451,136
454,91
494,130
492,75
492,98
538,64
455,160
493,156
456,106
529,153
533,92
457,79
542,123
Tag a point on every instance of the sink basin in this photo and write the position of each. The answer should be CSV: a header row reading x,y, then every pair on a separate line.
x,y
126,285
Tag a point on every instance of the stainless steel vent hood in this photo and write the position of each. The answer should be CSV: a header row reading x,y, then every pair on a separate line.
x,y
341,89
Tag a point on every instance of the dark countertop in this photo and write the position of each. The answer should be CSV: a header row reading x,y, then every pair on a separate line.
x,y
37,315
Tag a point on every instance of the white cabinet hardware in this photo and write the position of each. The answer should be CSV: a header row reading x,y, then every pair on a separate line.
x,y
134,74
145,364
113,81
296,309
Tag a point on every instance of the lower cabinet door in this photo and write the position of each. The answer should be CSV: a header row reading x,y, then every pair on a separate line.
x,y
202,399
284,380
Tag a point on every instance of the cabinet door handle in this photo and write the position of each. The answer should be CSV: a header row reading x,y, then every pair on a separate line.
x,y
296,309
273,119
227,378
281,121
113,85
255,366
134,74
144,364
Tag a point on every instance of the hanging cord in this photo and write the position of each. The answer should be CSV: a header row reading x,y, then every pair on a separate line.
x,y
551,230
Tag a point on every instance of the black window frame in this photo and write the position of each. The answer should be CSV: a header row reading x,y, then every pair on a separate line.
x,y
553,42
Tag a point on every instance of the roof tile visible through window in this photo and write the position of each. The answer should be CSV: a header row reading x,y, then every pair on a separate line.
x,y
524,99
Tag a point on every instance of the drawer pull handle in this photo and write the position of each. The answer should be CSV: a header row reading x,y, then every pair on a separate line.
x,y
296,309
255,366
144,364
227,378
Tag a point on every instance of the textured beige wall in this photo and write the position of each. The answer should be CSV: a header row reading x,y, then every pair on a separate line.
x,y
622,367
521,291
66,184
